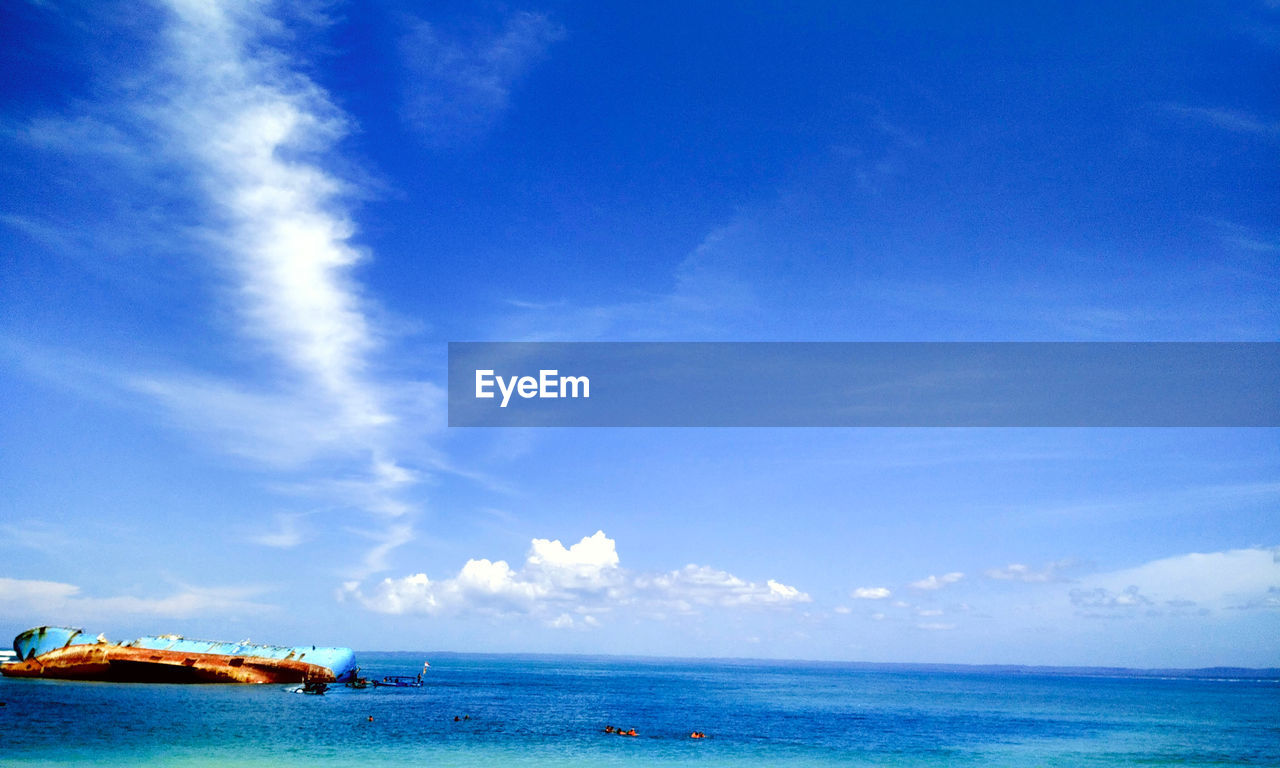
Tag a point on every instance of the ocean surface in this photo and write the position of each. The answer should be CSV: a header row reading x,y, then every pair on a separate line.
x,y
548,711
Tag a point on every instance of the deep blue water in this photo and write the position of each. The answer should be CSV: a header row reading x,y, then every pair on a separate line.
x,y
552,711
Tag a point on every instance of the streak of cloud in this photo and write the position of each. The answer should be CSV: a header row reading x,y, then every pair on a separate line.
x,y
459,88
937,582
1234,121
1025,573
21,598
253,131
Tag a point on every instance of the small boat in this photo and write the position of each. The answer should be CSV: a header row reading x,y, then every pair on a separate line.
x,y
402,681
315,687
399,681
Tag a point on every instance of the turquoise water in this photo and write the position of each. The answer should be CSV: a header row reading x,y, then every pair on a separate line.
x,y
544,711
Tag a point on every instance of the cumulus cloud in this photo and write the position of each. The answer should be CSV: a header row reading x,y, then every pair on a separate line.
x,y
937,582
24,598
870,593
702,585
587,564
557,582
460,87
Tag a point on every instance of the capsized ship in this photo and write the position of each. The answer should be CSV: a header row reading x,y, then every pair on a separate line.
x,y
69,654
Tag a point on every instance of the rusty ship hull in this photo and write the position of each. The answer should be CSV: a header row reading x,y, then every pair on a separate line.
x,y
68,654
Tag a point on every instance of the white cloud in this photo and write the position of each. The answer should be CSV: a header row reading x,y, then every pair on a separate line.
x,y
555,580
1238,578
588,564
1102,599
80,134
385,539
39,535
229,107
252,128
273,428
1229,120
30,599
1268,600
1024,573
458,88
870,593
286,534
937,582
33,592
704,586
708,294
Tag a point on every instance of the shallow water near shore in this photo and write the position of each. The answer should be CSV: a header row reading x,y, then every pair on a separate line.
x,y
546,711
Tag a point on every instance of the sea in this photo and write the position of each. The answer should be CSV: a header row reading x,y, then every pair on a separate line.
x,y
503,710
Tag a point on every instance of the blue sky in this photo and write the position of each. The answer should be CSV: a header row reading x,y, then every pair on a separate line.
x,y
235,239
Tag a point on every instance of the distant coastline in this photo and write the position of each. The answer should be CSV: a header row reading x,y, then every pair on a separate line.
x,y
1218,673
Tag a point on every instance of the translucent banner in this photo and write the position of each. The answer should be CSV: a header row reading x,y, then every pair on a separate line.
x,y
856,384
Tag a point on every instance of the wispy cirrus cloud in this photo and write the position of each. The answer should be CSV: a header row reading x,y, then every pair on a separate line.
x,y
39,535
383,541
253,132
242,143
1020,572
287,532
569,587
458,87
708,296
1232,120
23,598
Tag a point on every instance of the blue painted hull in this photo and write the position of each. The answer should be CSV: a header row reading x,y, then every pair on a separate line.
x,y
64,652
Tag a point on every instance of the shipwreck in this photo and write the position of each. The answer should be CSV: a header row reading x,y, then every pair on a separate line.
x,y
69,654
